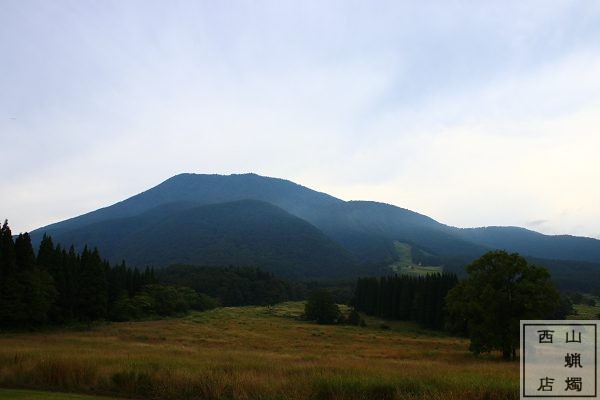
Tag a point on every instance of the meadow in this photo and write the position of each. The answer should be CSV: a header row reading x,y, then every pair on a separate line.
x,y
252,353
586,310
405,265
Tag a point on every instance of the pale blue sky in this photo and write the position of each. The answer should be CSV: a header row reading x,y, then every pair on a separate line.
x,y
474,113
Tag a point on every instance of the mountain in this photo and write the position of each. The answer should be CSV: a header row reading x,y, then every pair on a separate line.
x,y
365,229
209,189
241,233
289,228
559,247
351,222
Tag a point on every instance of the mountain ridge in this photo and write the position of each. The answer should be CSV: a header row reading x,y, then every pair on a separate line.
x,y
242,233
364,229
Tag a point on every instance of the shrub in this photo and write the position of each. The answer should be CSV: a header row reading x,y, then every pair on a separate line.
x,y
320,307
354,318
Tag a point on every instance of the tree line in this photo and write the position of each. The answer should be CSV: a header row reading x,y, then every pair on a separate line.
x,y
405,297
500,290
234,286
60,286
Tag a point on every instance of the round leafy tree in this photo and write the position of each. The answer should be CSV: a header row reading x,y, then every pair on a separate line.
x,y
320,307
501,289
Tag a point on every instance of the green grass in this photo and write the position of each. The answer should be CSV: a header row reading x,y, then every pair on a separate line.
x,y
404,263
404,252
14,394
419,270
254,353
585,311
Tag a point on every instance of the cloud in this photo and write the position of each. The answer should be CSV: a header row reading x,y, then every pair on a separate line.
x,y
476,114
536,223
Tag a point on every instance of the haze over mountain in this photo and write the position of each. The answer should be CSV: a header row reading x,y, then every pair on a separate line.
x,y
289,229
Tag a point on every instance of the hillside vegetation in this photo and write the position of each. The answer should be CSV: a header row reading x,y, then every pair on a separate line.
x,y
296,232
241,233
254,353
405,265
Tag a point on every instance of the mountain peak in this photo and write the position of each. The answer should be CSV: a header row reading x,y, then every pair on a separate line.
x,y
366,229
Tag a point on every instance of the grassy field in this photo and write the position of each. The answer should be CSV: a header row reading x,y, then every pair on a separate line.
x,y
253,353
586,311
17,394
404,263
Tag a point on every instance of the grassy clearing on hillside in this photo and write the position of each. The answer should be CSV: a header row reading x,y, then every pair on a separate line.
x,y
404,253
404,264
254,353
586,311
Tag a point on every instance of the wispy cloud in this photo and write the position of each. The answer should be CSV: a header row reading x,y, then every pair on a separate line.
x,y
474,113
536,223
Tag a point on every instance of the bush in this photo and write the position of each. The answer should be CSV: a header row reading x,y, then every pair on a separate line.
x,y
320,307
205,302
160,300
354,318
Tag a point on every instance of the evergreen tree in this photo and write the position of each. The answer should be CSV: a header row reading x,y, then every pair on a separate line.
x,y
12,309
24,255
39,292
92,295
420,299
69,284
59,286
48,256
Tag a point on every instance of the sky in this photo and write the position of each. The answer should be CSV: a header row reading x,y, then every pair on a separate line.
x,y
473,113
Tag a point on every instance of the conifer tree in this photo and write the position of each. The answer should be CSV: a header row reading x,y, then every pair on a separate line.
x,y
403,297
11,290
39,292
92,287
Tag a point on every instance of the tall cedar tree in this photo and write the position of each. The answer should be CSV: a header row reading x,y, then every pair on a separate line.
x,y
92,295
27,292
39,291
11,289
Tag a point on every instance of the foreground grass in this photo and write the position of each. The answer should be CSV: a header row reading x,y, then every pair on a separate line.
x,y
254,353
12,394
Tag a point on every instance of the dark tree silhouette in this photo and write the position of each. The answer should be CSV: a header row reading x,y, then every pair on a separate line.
x,y
403,297
320,307
501,289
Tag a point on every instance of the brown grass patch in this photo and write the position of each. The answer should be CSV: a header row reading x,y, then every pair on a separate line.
x,y
254,353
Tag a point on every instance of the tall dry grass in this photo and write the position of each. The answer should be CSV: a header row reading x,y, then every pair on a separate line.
x,y
254,353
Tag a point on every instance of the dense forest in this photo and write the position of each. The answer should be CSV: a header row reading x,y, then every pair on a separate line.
x,y
419,299
240,233
233,286
60,286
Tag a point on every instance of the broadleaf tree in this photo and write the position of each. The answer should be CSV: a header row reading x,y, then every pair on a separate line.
x,y
501,290
320,307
